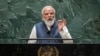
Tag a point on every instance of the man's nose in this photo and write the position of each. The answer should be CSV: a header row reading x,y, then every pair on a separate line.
x,y
49,14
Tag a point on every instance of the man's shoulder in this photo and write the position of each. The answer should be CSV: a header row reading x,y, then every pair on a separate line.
x,y
39,23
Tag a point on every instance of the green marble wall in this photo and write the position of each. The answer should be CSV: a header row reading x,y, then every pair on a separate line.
x,y
17,18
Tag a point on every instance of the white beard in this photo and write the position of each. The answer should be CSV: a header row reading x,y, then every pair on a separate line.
x,y
49,23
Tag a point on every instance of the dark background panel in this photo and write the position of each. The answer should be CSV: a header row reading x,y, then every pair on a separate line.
x,y
64,50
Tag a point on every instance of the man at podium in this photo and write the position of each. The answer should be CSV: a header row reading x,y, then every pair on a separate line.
x,y
50,28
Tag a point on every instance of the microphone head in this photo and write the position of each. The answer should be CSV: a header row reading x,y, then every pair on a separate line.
x,y
48,32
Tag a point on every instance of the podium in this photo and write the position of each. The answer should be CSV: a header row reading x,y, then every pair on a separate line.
x,y
27,39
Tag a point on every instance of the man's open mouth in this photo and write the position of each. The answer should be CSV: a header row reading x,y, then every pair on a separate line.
x,y
49,19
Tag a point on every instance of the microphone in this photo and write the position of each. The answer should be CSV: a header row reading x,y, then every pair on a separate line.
x,y
48,32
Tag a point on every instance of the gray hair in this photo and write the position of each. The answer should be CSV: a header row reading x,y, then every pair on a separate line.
x,y
47,7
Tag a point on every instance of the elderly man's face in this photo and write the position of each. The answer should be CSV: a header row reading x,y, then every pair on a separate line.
x,y
48,14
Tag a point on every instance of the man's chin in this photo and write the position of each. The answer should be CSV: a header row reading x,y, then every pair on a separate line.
x,y
49,22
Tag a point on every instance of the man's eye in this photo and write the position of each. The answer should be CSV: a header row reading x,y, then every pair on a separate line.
x,y
51,13
46,13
